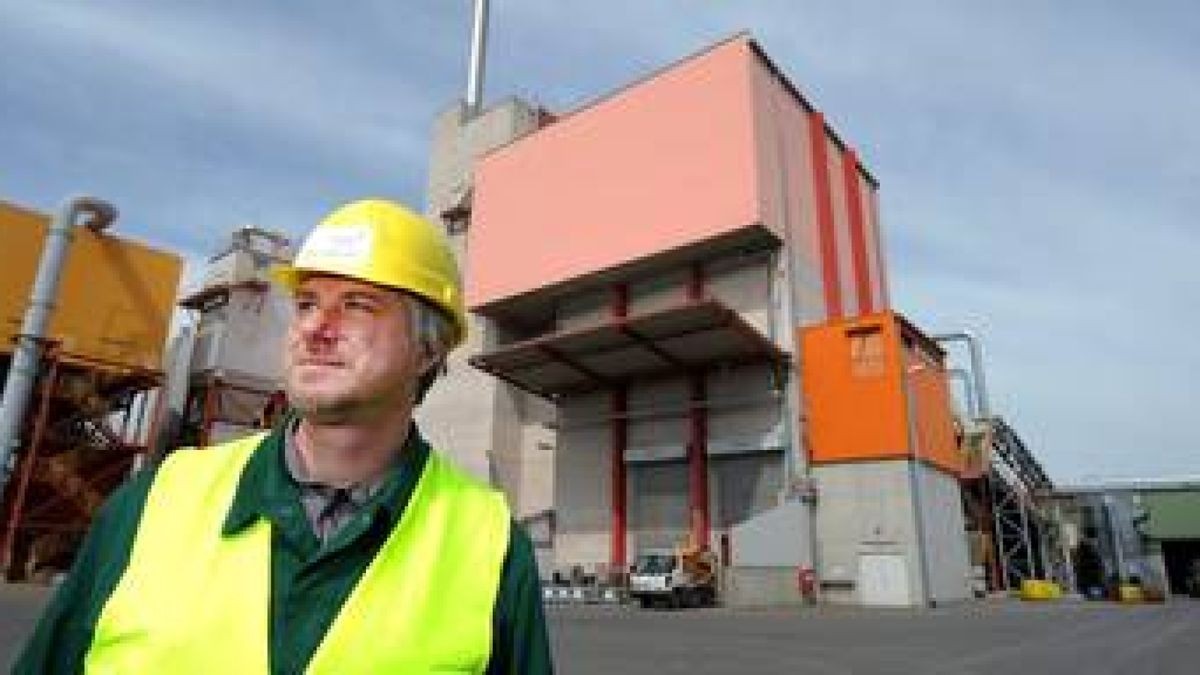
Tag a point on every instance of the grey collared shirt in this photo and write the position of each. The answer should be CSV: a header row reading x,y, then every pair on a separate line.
x,y
328,508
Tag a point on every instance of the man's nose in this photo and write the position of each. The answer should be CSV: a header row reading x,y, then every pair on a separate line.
x,y
320,324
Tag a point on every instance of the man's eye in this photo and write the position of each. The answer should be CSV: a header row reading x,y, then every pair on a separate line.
x,y
360,305
305,305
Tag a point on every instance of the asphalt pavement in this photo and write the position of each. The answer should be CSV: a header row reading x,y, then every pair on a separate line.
x,y
992,636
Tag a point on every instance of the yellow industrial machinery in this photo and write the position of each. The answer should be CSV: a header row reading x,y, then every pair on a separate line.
x,y
92,412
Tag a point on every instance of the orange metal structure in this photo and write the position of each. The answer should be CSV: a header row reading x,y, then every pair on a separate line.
x,y
115,297
865,381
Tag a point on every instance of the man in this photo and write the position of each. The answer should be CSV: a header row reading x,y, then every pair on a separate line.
x,y
337,543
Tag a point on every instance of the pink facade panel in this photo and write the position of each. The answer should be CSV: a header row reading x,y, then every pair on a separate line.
x,y
662,164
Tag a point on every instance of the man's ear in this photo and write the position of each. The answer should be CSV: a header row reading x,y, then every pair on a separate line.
x,y
428,375
431,360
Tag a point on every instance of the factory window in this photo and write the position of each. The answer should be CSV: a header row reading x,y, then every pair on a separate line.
x,y
866,352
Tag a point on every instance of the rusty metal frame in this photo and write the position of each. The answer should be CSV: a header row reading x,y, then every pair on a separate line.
x,y
28,461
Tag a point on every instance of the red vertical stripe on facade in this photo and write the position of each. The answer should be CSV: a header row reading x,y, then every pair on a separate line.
x,y
825,225
858,234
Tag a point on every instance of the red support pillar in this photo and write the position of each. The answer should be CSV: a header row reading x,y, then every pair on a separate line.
x,y
698,464
28,462
620,440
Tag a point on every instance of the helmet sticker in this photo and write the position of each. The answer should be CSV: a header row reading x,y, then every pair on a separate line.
x,y
351,244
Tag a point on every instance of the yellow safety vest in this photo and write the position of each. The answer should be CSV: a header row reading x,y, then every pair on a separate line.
x,y
193,600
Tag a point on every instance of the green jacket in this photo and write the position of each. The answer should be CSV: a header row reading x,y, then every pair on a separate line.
x,y
308,582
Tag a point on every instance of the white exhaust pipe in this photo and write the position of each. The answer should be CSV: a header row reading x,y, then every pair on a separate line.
x,y
479,27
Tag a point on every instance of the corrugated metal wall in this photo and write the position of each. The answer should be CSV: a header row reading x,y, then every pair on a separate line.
x,y
658,504
744,485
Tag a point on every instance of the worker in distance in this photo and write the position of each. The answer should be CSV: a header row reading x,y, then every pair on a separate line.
x,y
339,541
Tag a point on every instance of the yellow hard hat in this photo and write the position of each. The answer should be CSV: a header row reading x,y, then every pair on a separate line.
x,y
383,243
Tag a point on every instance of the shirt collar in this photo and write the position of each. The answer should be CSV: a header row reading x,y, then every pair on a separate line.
x,y
359,493
266,487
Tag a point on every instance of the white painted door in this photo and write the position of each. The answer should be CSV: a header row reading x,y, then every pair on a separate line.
x,y
883,580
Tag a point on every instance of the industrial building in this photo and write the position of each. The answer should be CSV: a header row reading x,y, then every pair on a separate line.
x,y
1142,532
683,337
684,334
225,370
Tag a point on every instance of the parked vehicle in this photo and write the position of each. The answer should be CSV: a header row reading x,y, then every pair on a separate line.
x,y
674,578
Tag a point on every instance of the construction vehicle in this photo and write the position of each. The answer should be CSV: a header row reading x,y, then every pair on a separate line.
x,y
668,578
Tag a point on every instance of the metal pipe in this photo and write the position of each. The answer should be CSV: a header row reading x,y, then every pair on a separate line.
x,y
976,352
479,27
914,480
968,390
22,372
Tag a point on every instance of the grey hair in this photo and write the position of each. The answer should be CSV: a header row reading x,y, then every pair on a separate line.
x,y
432,333
431,328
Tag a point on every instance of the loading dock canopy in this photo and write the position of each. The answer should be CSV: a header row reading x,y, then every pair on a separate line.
x,y
680,339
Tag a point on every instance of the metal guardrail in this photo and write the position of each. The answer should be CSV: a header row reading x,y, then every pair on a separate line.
x,y
559,594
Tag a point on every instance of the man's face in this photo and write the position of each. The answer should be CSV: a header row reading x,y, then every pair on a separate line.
x,y
350,353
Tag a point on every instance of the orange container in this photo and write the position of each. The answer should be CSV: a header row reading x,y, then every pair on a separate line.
x,y
865,381
115,296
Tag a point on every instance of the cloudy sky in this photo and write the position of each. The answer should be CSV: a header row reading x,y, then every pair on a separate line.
x,y
1039,162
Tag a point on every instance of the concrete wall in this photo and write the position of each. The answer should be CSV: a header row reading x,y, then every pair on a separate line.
x,y
472,417
946,541
777,537
760,587
866,509
582,479
538,450
459,142
743,283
